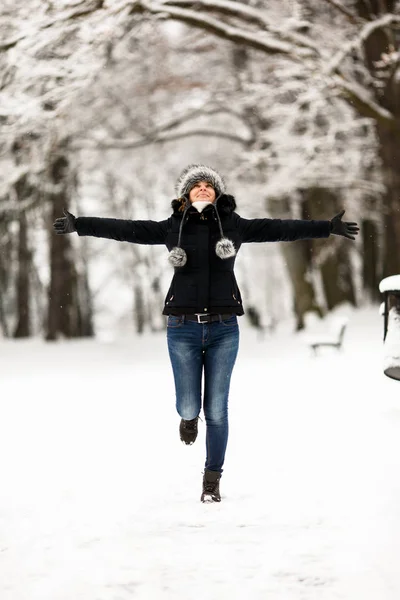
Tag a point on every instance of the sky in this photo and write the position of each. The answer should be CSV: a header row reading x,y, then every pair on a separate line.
x,y
100,500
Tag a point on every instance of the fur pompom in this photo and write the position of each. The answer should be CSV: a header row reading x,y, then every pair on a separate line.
x,y
177,257
225,248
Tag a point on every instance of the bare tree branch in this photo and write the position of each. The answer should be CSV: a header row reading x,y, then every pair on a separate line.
x,y
132,144
133,120
262,42
204,111
153,134
358,97
364,34
68,15
246,13
351,16
10,43
236,9
353,92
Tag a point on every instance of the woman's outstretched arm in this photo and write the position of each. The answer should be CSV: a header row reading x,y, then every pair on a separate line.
x,y
289,230
122,230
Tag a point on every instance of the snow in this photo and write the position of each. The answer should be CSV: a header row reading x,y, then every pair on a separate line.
x,y
330,333
100,500
390,284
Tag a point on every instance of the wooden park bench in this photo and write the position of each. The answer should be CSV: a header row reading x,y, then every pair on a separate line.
x,y
333,339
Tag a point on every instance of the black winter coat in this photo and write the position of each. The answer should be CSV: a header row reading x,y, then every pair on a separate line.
x,y
206,284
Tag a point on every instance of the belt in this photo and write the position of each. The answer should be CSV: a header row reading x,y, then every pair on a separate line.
x,y
207,318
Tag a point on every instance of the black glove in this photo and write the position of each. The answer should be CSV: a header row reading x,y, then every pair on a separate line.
x,y
65,224
344,228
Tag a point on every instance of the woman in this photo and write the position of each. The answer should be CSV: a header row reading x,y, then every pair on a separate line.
x,y
204,234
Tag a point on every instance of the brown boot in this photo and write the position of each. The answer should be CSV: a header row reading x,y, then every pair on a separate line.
x,y
211,487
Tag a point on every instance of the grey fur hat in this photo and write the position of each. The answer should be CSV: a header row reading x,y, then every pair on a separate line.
x,y
188,178
194,173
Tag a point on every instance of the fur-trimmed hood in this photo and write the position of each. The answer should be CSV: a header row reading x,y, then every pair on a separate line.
x,y
226,205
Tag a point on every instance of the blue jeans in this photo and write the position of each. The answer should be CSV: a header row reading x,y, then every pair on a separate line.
x,y
212,347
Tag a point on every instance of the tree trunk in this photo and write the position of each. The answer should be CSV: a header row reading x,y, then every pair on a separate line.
x,y
65,315
62,316
297,262
297,258
331,255
390,155
23,327
85,305
370,256
24,191
337,278
156,301
140,313
5,270
385,86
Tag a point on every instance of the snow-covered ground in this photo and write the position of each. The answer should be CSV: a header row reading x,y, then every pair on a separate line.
x,y
99,500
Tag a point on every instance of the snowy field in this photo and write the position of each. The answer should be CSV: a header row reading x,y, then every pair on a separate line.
x,y
99,500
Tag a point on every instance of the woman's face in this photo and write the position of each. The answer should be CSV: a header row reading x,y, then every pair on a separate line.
x,y
202,190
